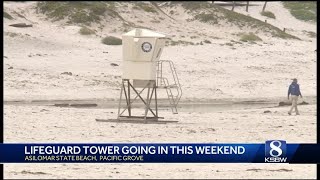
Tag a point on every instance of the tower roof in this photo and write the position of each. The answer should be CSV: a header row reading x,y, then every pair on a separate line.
x,y
143,33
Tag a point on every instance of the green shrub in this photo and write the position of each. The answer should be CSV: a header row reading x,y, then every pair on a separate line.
x,y
80,17
284,35
268,14
302,10
110,40
249,37
149,9
11,34
81,12
207,41
54,10
174,43
155,21
136,7
86,31
212,18
194,5
145,7
7,15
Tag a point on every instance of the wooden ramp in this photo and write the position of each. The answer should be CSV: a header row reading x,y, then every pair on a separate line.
x,y
135,121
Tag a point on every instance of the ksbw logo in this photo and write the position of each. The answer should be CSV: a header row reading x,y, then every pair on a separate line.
x,y
275,151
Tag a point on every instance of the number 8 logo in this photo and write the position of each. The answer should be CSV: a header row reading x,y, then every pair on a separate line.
x,y
275,148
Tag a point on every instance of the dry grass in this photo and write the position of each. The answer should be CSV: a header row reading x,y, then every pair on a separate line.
x,y
86,31
7,15
250,37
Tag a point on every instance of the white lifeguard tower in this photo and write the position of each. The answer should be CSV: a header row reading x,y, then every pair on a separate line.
x,y
143,69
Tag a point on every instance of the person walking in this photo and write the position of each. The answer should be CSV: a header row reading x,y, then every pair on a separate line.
x,y
294,91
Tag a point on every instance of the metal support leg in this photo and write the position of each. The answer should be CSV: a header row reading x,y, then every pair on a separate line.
x,y
119,107
152,88
138,95
129,104
147,105
125,93
141,97
150,98
155,98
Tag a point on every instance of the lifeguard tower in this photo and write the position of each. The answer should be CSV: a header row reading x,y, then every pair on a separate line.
x,y
143,71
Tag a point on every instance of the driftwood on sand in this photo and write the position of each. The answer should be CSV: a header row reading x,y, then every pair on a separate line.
x,y
289,103
22,25
75,105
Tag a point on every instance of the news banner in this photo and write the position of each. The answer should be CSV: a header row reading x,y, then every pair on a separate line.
x,y
271,151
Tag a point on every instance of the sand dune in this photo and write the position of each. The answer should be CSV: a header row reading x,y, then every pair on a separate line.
x,y
239,70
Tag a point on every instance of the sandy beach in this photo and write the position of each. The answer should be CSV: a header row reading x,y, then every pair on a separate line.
x,y
37,62
55,124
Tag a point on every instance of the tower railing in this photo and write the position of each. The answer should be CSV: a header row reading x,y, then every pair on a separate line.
x,y
173,89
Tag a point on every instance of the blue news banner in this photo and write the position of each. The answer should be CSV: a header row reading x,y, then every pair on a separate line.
x,y
274,151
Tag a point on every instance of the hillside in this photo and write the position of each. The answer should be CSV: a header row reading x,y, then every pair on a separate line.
x,y
218,53
165,17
